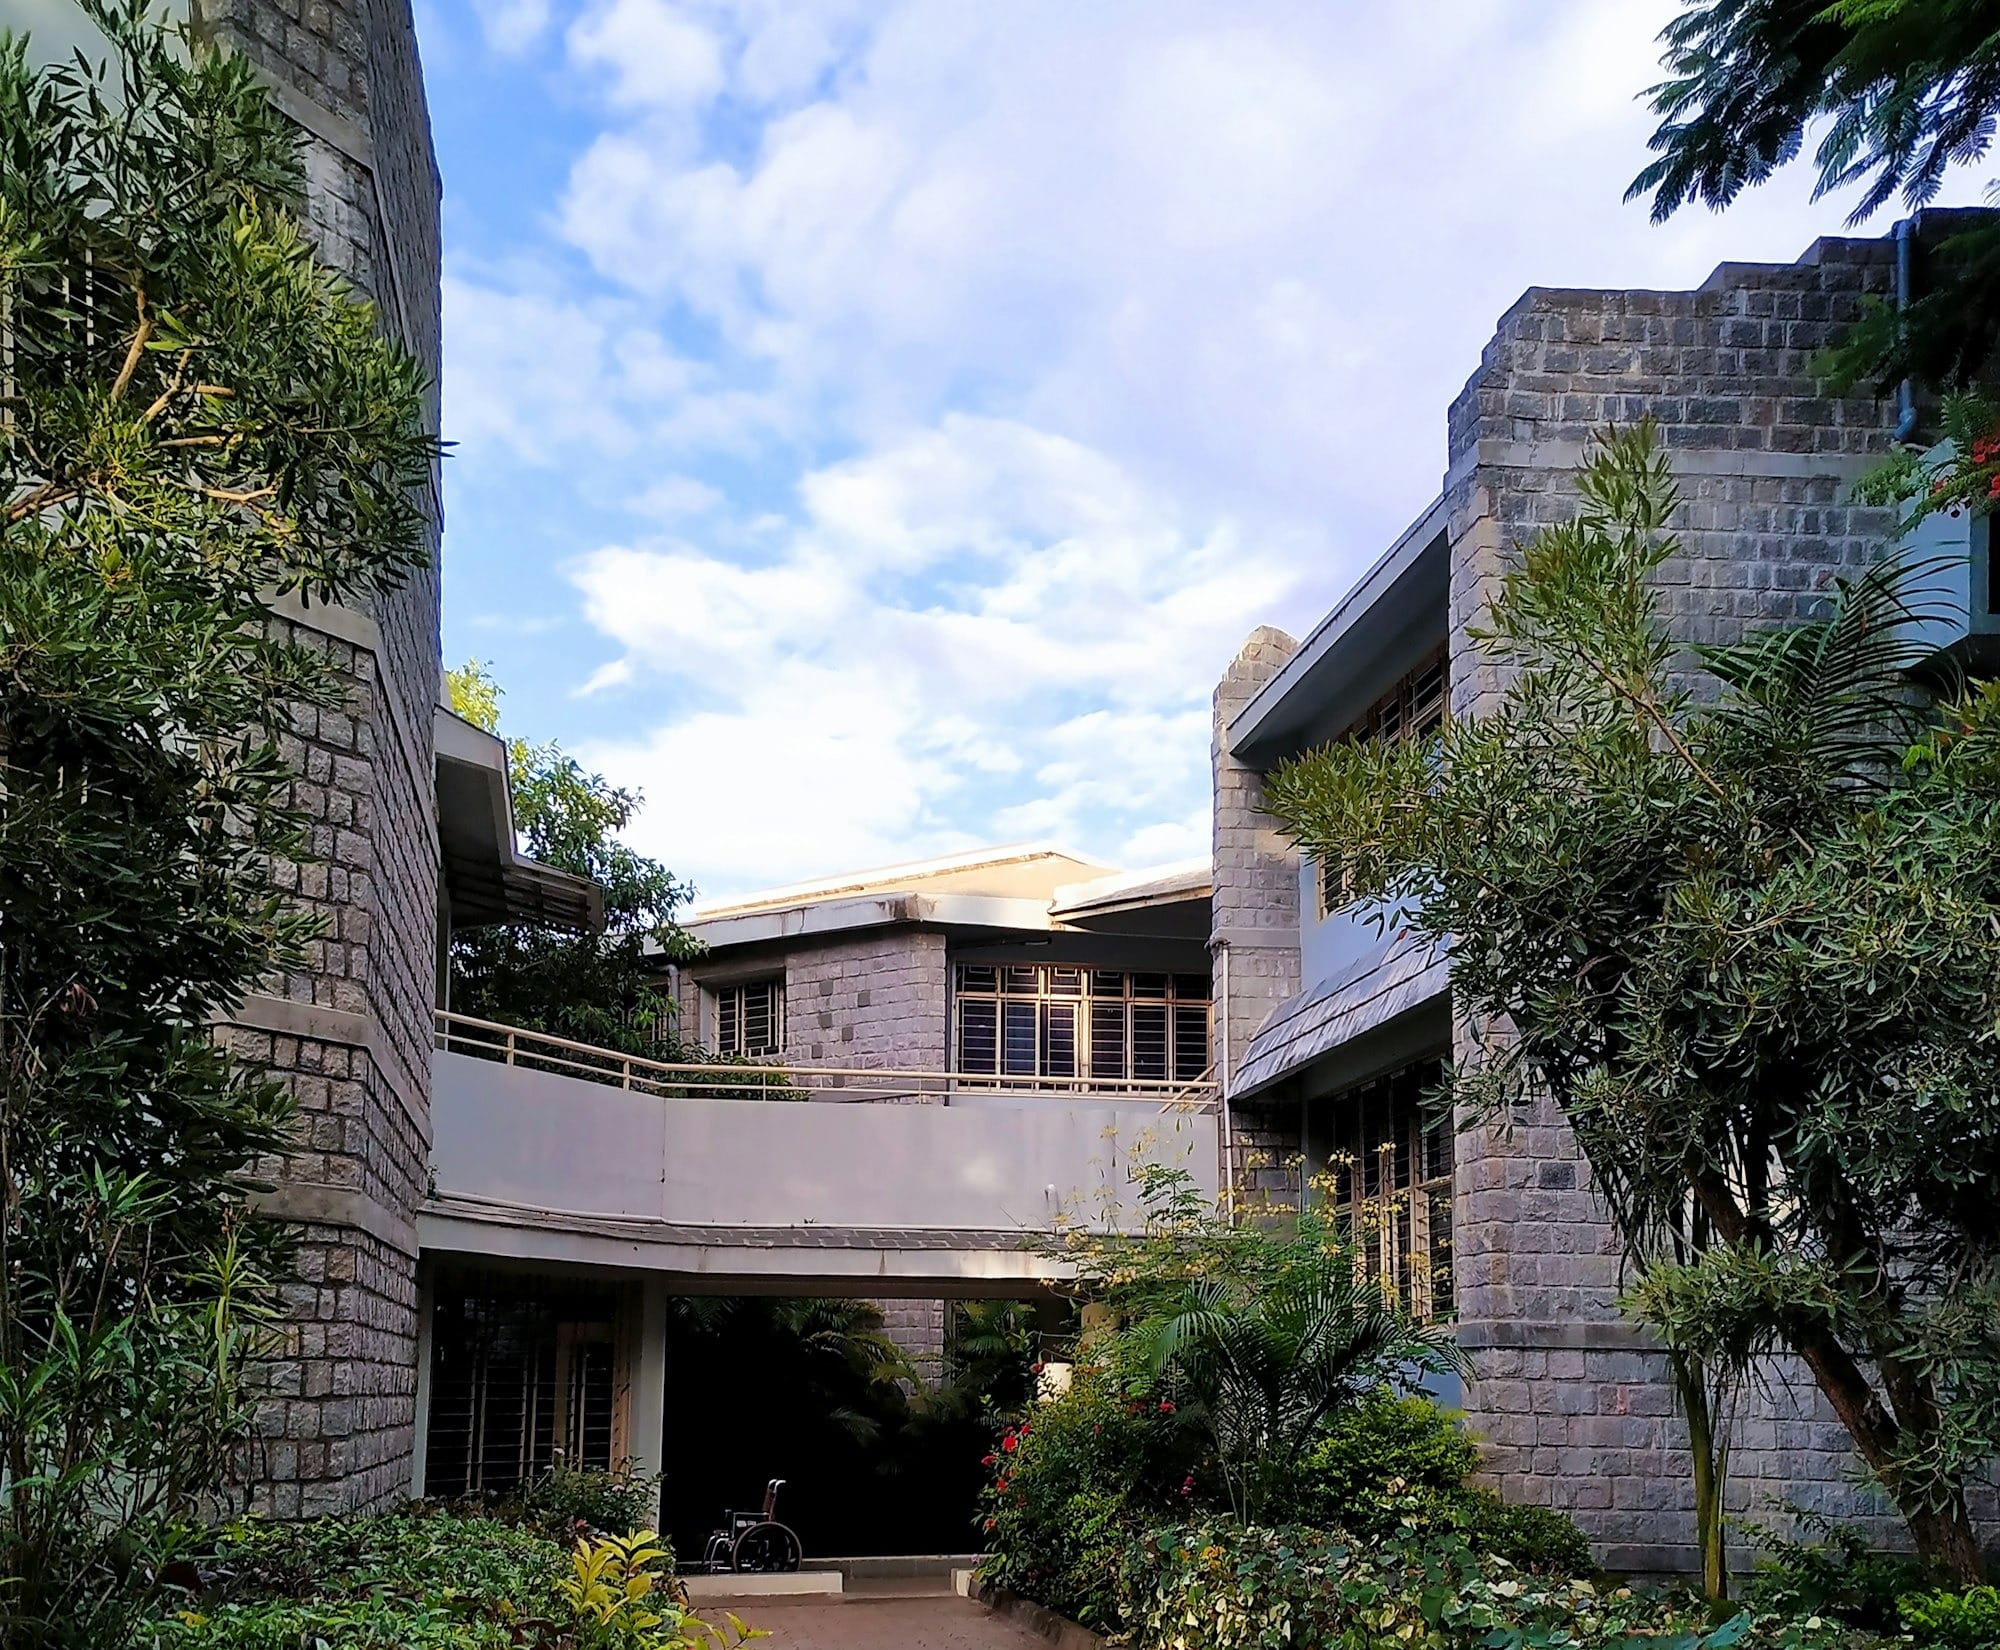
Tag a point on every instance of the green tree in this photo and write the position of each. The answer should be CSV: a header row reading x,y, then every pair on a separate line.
x,y
1906,89
1738,917
1266,1329
593,988
196,416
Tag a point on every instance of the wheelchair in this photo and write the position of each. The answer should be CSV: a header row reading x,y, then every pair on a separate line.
x,y
753,1543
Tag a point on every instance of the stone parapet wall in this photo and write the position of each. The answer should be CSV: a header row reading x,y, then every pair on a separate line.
x,y
881,1000
1254,911
1574,1408
351,1032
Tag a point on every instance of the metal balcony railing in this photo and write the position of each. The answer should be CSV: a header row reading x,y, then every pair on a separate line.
x,y
751,1080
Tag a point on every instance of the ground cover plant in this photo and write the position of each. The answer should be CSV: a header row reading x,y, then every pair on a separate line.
x,y
425,1579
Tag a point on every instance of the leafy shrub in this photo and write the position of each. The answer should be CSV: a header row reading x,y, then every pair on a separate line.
x,y
1837,1575
1540,1540
1227,1587
1343,1480
429,1580
616,1502
390,1582
1952,1621
1075,1483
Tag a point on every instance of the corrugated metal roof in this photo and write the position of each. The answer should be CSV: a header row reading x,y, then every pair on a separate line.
x,y
1398,973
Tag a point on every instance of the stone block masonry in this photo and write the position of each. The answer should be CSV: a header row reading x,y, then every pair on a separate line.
x,y
1253,925
878,1001
351,1032
1573,1403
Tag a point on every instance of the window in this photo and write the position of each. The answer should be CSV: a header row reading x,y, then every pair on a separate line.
x,y
1389,1169
750,1018
519,1370
1413,708
1045,1020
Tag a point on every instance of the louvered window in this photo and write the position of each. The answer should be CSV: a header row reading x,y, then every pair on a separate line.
x,y
518,1372
1043,1020
1413,708
750,1018
1389,1172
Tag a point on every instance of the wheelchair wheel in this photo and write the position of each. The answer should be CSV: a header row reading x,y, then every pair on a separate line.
x,y
766,1547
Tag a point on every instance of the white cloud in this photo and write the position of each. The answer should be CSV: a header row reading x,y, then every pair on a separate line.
x,y
657,56
512,27
989,371
889,705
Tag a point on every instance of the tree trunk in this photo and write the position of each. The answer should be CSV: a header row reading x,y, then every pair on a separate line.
x,y
1708,1444
1945,1539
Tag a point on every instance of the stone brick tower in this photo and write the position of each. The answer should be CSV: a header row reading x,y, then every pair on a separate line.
x,y
353,1031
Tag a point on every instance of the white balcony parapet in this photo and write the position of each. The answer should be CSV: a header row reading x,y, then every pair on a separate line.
x,y
758,1080
550,1150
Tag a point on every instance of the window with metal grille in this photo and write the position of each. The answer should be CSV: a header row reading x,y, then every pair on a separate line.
x,y
750,1018
517,1373
1389,1174
1413,708
1058,1021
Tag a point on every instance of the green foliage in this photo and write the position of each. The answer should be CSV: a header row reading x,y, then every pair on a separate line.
x,y
1902,90
398,1582
1953,1621
614,1502
602,988
424,1580
1833,1572
198,416
1076,1482
1228,1587
1745,941
1540,1540
1344,1479
1263,1329
1961,472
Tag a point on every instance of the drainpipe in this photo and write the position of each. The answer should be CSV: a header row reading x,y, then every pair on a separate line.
x,y
1906,395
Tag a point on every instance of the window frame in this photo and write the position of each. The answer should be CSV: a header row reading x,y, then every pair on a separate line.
x,y
724,1002
1086,998
1399,1221
1414,706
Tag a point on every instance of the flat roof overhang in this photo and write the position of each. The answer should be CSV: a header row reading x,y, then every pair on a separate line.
x,y
487,879
1398,610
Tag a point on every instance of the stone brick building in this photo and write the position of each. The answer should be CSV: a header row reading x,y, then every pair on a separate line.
x,y
1331,1029
1025,963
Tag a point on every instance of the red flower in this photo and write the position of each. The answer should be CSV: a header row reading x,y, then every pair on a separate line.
x,y
1002,1485
989,1460
1010,1443
992,1524
1993,488
1166,1406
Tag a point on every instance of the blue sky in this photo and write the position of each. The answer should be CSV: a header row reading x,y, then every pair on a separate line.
x,y
878,424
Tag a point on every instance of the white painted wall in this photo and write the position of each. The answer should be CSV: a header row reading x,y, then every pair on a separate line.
x,y
564,1146
1333,943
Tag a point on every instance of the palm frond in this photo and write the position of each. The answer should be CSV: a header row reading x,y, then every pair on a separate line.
x,y
1835,692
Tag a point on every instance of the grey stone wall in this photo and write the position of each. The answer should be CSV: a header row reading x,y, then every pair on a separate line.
x,y
352,1031
1573,1405
1254,915
879,1000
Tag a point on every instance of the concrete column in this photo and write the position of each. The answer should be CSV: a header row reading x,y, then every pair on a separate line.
x,y
420,1438
647,1426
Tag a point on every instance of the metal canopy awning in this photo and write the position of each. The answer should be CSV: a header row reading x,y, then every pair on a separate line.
x,y
486,877
1399,973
